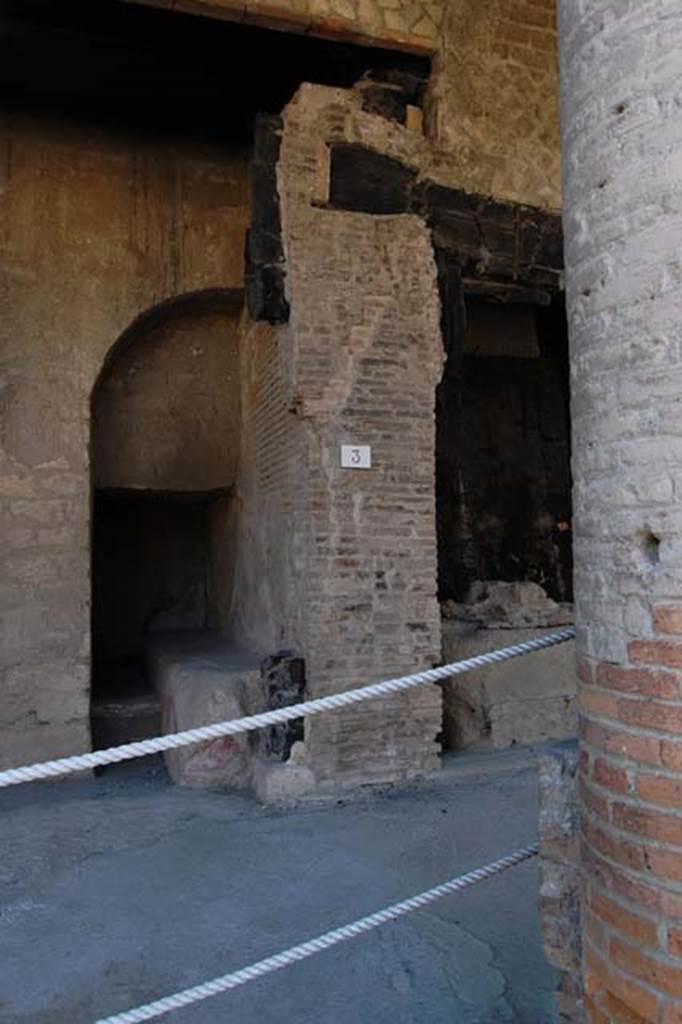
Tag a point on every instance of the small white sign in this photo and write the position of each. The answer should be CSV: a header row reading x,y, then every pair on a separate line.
x,y
356,456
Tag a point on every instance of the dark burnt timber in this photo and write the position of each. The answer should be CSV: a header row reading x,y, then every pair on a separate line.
x,y
389,93
265,265
385,101
453,314
502,252
283,677
365,181
490,240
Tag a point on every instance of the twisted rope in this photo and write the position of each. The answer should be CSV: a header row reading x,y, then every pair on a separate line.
x,y
141,748
150,1011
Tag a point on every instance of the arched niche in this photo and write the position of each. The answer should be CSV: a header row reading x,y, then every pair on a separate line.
x,y
165,425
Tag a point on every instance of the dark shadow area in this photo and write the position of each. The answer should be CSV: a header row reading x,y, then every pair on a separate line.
x,y
150,563
190,74
150,573
503,453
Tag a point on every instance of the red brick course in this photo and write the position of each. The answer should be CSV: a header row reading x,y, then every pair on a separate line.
x,y
640,929
660,789
629,745
672,1014
631,798
660,974
602,977
668,620
656,652
640,681
619,1013
608,775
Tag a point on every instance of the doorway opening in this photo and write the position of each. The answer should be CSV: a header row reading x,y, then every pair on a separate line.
x,y
165,440
151,555
503,452
504,523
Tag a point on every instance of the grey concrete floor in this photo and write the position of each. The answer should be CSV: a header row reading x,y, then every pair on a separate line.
x,y
118,890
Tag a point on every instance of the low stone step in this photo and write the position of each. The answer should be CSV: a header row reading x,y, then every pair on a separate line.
x,y
125,719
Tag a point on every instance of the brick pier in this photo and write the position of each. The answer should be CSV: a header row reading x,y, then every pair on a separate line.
x,y
622,155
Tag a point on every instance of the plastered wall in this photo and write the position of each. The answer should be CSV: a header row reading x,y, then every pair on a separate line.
x,y
95,228
166,415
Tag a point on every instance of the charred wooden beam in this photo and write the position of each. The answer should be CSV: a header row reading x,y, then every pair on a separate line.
x,y
365,181
490,239
265,263
453,317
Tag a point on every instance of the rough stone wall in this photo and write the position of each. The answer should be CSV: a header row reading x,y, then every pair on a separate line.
x,y
363,356
94,229
493,109
622,143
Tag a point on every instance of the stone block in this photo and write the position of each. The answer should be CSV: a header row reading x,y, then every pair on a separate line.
x,y
530,699
527,721
282,783
202,679
117,720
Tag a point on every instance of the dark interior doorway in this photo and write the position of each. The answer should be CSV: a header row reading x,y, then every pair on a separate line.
x,y
503,452
150,572
138,65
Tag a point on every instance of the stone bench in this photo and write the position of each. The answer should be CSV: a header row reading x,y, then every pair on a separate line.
x,y
201,678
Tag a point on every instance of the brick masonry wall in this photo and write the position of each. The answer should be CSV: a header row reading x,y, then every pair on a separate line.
x,y
493,99
364,356
622,137
264,606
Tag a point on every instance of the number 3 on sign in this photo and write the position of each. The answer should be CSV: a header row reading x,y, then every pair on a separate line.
x,y
356,456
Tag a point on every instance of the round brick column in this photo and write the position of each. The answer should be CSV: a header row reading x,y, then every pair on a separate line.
x,y
621,72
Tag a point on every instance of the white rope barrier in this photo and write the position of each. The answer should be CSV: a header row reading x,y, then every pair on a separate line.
x,y
160,1007
141,748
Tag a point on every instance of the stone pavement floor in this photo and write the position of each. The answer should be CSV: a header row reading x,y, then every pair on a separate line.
x,y
117,890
